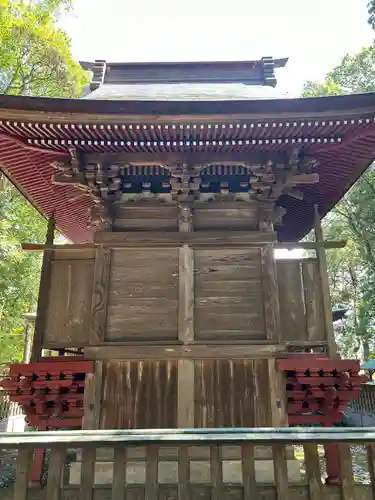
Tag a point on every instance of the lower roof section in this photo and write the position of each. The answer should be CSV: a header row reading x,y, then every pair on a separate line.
x,y
339,132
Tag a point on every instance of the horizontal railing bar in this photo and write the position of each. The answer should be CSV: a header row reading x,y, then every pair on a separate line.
x,y
193,437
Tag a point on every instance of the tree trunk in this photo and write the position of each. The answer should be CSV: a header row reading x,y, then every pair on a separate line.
x,y
366,349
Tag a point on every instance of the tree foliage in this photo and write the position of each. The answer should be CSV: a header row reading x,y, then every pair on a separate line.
x,y
35,59
371,13
352,270
35,56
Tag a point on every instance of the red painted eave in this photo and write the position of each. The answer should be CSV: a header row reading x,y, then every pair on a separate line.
x,y
36,132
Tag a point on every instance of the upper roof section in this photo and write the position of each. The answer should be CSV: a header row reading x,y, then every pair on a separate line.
x,y
37,134
259,72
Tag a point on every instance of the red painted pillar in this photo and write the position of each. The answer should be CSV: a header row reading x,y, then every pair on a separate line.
x,y
37,467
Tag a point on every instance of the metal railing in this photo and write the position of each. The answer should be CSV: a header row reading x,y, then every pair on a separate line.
x,y
153,462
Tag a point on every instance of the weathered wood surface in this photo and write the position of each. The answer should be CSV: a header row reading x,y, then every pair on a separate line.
x,y
145,218
68,313
100,290
270,295
324,283
230,492
186,295
313,301
228,305
43,296
179,450
169,351
232,394
139,395
92,401
203,239
301,301
143,295
225,218
185,394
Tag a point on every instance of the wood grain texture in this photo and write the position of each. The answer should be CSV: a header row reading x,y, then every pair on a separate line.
x,y
195,239
313,301
139,395
270,295
185,393
24,462
346,472
248,471
143,295
228,305
119,472
44,296
216,472
313,471
69,304
292,307
92,401
226,392
100,295
178,351
145,218
324,283
186,295
183,473
55,472
152,483
277,395
225,218
281,471
87,472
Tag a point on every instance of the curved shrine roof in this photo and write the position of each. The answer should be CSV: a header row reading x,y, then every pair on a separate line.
x,y
36,132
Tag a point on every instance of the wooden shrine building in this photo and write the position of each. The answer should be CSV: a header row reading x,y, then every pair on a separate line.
x,y
175,185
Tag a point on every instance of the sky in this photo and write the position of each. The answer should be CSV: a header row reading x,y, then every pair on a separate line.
x,y
315,35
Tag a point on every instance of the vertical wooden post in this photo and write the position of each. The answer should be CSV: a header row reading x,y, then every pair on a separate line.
x,y
45,279
186,368
323,276
93,397
277,395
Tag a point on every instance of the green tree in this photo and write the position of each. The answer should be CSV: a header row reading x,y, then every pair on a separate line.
x,y
352,270
35,55
35,59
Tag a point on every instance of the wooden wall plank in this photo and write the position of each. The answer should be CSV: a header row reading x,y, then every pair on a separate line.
x,y
292,307
206,239
226,391
172,351
139,395
313,301
227,299
69,304
270,295
143,295
100,295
